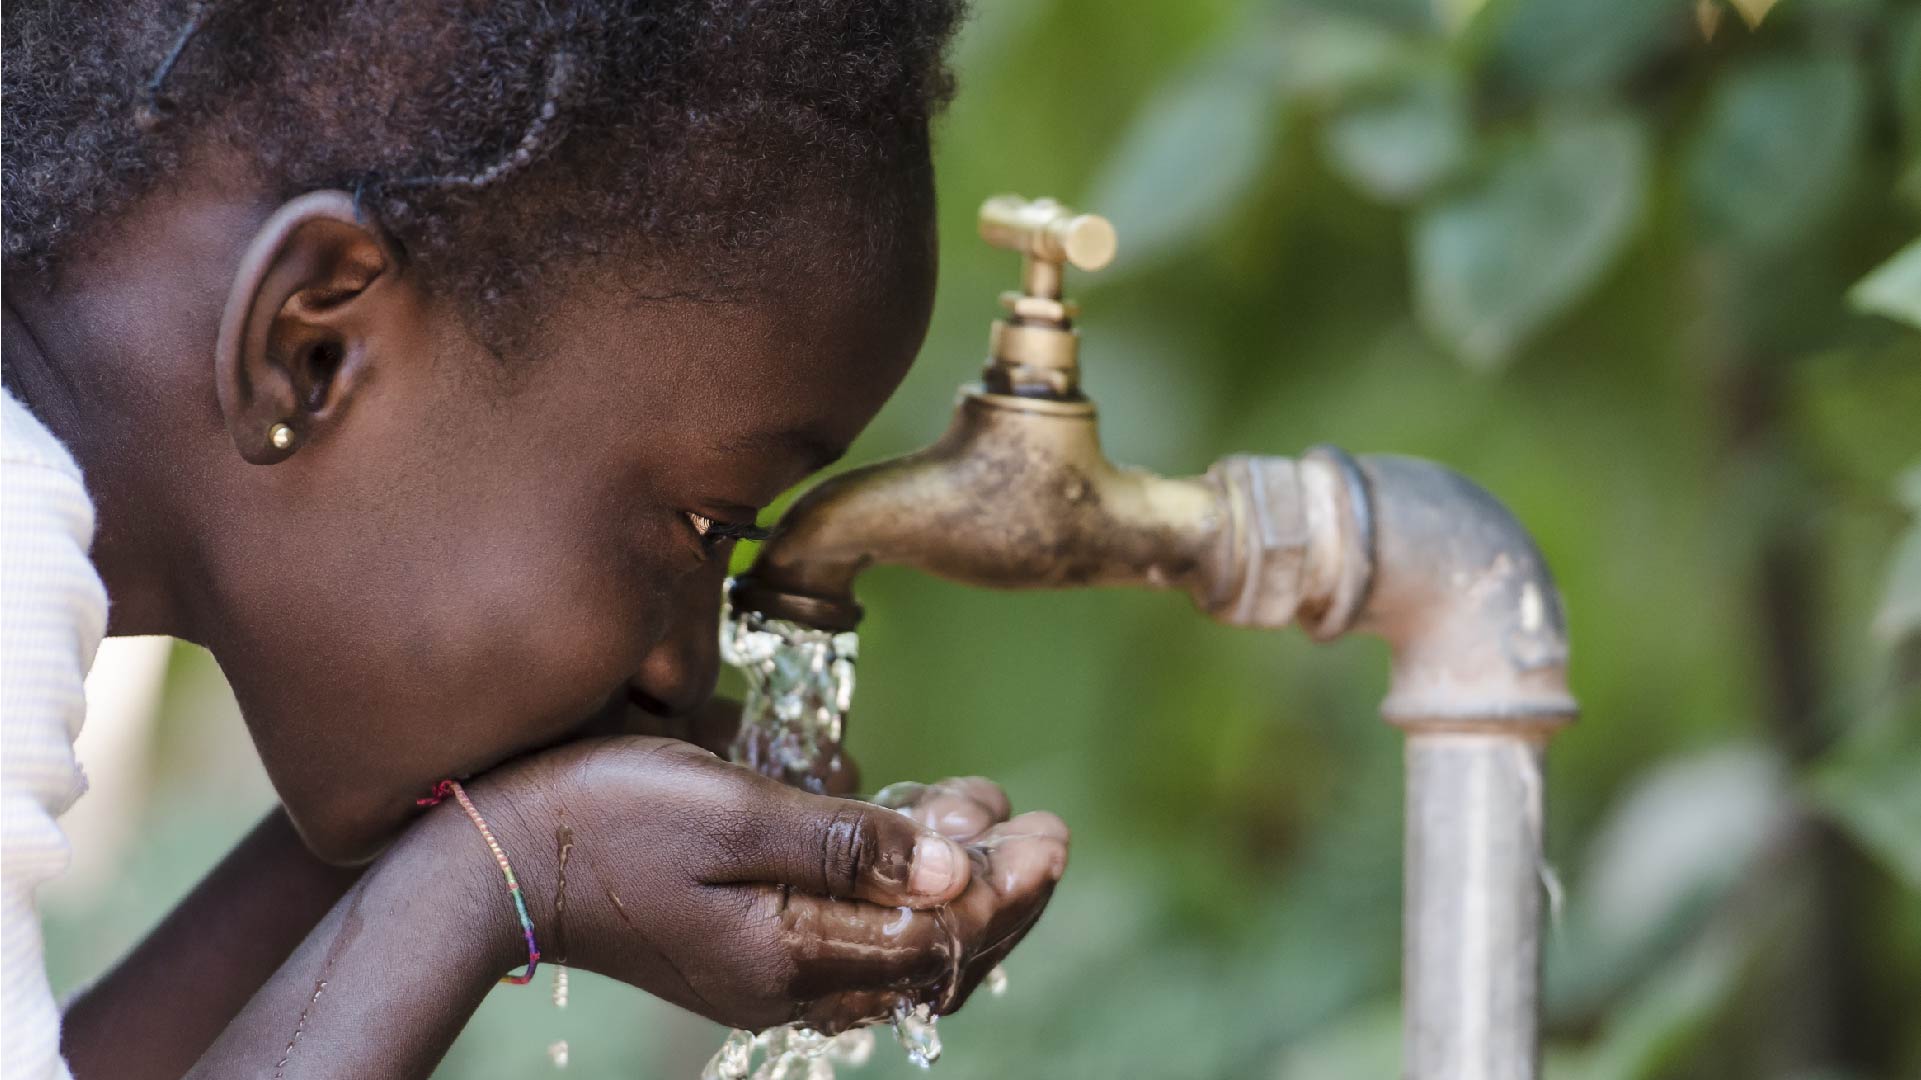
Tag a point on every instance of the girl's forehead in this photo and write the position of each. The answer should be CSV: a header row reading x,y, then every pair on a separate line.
x,y
817,356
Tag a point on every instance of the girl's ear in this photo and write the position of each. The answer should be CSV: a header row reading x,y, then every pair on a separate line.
x,y
295,338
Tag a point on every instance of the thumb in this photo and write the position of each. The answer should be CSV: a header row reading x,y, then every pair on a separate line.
x,y
847,849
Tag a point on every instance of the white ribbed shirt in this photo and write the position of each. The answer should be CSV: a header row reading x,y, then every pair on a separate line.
x,y
53,611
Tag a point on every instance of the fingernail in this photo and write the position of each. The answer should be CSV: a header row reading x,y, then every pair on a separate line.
x,y
937,864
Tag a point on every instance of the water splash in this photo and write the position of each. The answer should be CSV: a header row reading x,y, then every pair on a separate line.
x,y
800,684
789,1052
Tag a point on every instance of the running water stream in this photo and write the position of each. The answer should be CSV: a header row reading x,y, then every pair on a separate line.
x,y
800,683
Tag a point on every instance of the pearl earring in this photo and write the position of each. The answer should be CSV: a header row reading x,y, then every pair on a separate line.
x,y
281,436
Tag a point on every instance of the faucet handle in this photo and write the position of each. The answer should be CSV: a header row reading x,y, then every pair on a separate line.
x,y
1046,231
1035,351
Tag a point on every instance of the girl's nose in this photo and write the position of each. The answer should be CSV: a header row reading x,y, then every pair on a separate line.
x,y
678,674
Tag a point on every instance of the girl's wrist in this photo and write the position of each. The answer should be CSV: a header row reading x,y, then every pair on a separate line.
x,y
448,855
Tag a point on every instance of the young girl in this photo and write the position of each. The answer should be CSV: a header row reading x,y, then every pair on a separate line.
x,y
423,360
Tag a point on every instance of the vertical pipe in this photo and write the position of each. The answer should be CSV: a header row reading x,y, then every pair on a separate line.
x,y
1472,915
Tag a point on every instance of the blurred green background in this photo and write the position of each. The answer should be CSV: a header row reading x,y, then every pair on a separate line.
x,y
1644,268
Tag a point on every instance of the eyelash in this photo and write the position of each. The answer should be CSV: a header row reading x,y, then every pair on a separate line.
x,y
714,533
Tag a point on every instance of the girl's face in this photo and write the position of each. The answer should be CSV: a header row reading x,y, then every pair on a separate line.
x,y
453,567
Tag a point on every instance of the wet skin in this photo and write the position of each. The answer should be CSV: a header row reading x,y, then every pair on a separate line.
x,y
466,558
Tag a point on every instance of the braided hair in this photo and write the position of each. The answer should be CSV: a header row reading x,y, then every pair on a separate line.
x,y
496,140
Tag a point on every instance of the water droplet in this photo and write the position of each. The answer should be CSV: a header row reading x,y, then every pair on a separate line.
x,y
996,980
914,1029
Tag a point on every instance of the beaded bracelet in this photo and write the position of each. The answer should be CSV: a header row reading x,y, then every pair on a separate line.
x,y
452,787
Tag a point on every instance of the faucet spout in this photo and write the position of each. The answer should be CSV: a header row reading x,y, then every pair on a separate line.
x,y
1016,495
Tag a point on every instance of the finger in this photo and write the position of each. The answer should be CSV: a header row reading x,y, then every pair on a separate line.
x,y
951,816
1022,849
1022,860
844,946
853,960
960,808
836,847
981,790
975,969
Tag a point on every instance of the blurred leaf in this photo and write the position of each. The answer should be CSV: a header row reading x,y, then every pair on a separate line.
x,y
1868,782
1497,260
1671,848
1455,15
1777,149
1190,155
1893,289
1899,616
1554,45
1321,56
1686,830
1649,1034
1854,413
1907,490
1398,143
1707,17
1753,11
1900,613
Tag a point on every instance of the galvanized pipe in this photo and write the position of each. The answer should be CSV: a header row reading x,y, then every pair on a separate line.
x,y
1420,556
1472,911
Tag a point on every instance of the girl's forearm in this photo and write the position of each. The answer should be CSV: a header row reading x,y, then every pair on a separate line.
x,y
160,1008
387,979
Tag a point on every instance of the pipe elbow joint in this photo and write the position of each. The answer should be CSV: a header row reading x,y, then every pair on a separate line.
x,y
1463,597
1412,552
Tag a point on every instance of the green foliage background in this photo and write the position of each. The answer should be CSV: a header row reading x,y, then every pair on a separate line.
x,y
1649,288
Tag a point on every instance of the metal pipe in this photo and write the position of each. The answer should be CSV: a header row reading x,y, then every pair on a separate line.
x,y
1479,682
1471,919
1433,564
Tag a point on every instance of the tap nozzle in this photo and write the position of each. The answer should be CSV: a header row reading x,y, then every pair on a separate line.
x,y
1035,350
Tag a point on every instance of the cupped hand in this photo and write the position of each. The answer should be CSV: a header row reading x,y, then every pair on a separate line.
x,y
753,904
1008,853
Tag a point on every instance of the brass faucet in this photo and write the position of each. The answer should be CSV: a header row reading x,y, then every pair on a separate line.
x,y
1018,494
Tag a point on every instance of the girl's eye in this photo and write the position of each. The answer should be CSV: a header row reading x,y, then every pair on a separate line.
x,y
714,533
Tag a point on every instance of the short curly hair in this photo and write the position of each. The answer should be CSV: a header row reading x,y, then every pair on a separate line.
x,y
496,141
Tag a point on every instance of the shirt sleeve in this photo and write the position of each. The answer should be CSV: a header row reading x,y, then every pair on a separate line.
x,y
53,611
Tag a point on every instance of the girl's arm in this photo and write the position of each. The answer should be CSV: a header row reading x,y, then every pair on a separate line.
x,y
159,1009
714,888
719,890
390,975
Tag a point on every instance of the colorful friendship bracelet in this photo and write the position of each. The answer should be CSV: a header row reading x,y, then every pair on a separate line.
x,y
452,787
